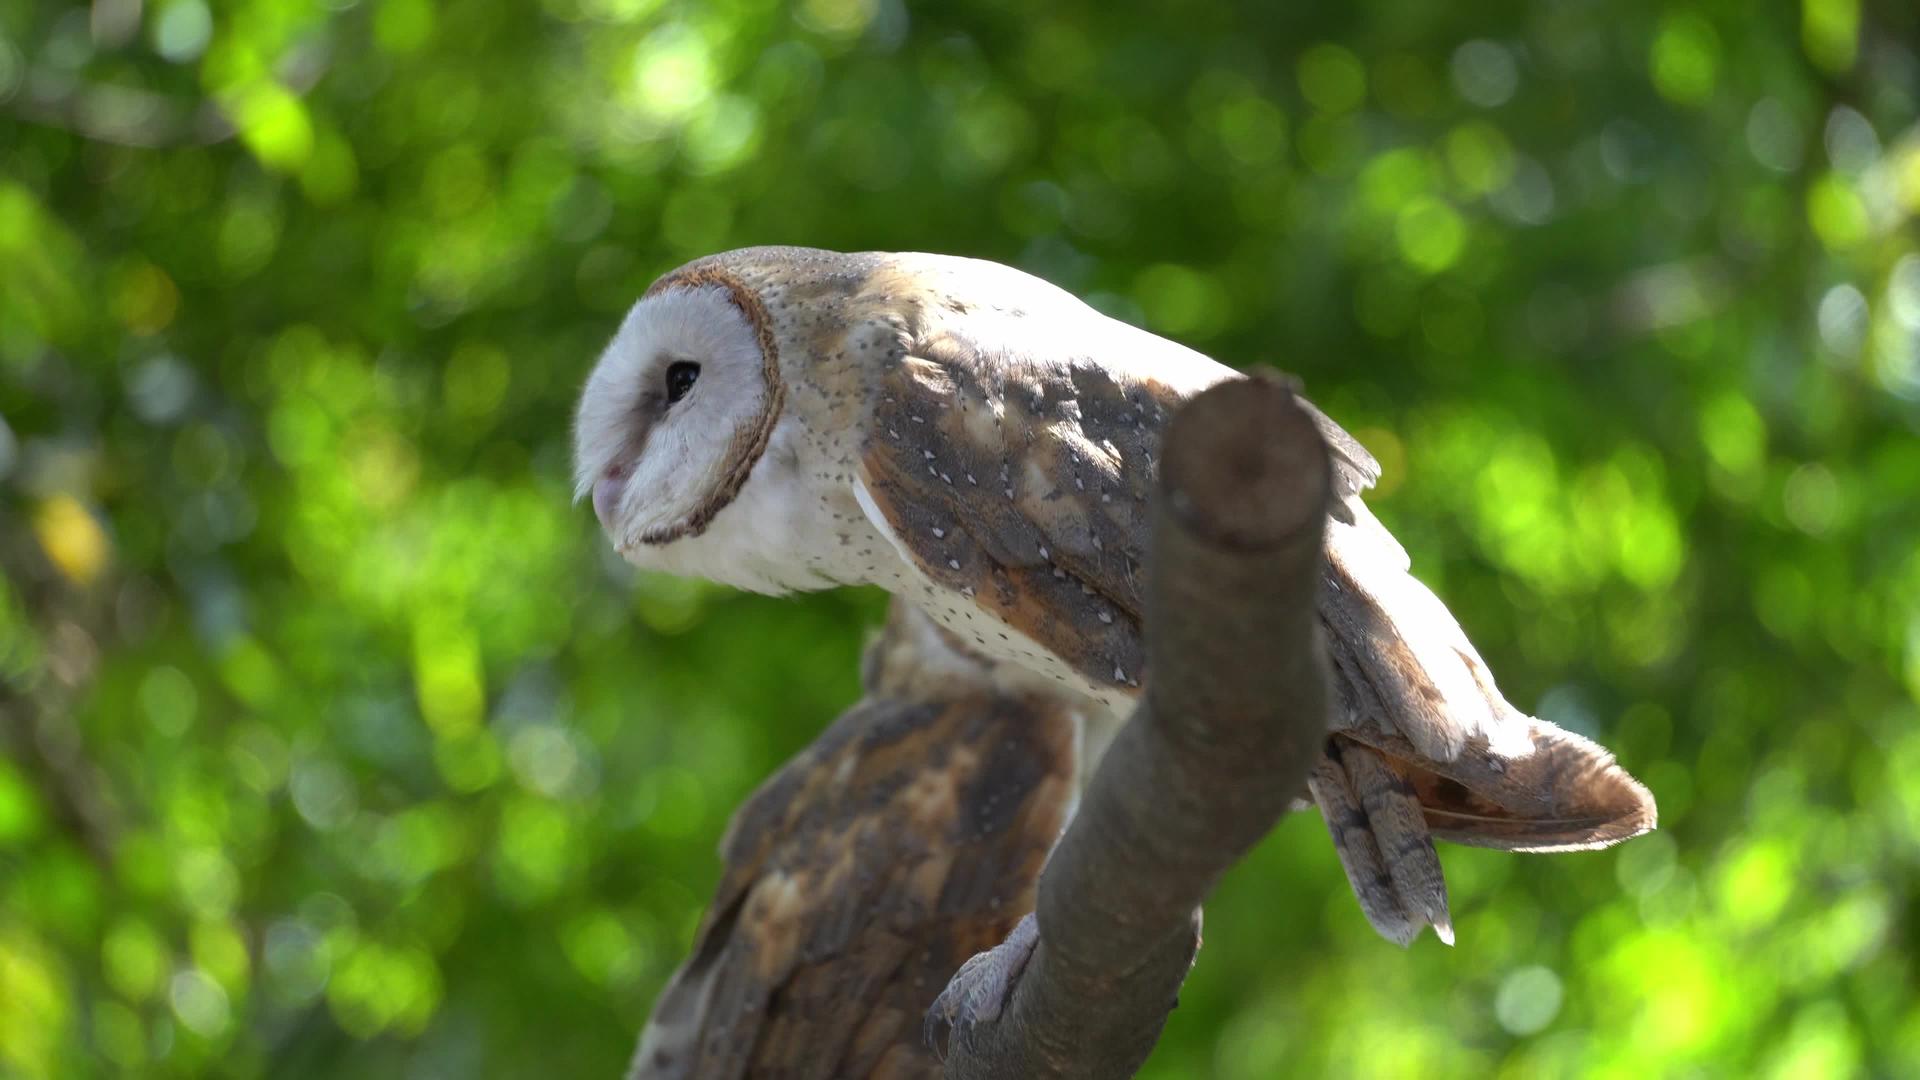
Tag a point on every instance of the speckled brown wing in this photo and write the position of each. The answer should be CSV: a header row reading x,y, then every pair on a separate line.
x,y
907,838
1024,490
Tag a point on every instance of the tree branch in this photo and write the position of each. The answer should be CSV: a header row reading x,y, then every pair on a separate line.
x,y
1234,715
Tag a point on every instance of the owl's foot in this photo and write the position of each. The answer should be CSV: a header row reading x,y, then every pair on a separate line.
x,y
984,984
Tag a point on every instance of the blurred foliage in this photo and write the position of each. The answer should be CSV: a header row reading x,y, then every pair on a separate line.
x,y
336,743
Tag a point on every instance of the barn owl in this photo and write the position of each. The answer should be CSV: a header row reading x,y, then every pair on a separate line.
x,y
981,443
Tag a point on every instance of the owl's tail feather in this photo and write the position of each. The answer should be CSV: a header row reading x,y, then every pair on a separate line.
x,y
1381,836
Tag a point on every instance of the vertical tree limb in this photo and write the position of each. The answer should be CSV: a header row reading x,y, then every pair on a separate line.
x,y
1233,718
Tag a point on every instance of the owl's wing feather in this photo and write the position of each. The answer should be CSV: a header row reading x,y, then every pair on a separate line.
x,y
1010,460
990,480
908,837
1354,468
1400,641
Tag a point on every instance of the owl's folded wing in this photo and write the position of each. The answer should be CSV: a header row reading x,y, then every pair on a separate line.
x,y
1020,482
908,837
991,488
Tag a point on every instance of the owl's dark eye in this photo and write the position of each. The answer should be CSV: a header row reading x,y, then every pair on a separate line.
x,y
681,375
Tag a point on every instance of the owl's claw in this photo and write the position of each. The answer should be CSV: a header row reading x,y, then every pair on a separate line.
x,y
982,987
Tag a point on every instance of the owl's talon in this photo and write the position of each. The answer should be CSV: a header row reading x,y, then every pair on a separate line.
x,y
980,990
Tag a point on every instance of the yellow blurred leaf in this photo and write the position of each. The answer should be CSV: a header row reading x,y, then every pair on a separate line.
x,y
221,951
1333,78
404,26
1837,213
1755,882
1830,31
73,540
331,173
447,675
274,125
250,672
1431,234
34,1006
145,299
1686,59
20,813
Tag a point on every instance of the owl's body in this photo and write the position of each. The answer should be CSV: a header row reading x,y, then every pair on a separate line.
x,y
981,443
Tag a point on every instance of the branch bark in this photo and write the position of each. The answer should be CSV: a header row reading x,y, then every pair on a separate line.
x,y
1234,715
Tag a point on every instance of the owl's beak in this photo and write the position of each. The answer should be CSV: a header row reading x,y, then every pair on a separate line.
x,y
606,494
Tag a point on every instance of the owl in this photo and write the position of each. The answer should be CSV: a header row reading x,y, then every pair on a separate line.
x,y
981,443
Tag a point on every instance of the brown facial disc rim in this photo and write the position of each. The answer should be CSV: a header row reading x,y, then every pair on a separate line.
x,y
748,443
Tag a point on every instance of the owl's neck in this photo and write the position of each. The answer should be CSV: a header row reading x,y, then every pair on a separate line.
x,y
793,527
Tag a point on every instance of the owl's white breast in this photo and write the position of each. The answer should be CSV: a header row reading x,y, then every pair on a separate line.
x,y
981,630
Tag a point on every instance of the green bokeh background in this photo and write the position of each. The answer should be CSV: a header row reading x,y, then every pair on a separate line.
x,y
334,742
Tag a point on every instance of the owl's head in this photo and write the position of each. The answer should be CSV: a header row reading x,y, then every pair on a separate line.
x,y
678,409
